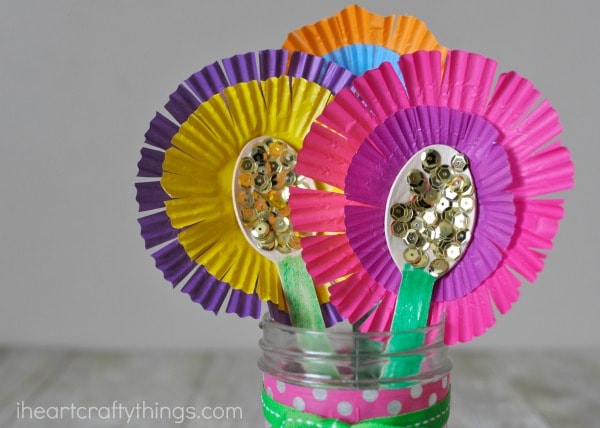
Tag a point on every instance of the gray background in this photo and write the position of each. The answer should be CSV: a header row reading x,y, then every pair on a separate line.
x,y
79,82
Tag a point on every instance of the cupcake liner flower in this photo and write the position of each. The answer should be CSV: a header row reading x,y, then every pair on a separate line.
x,y
360,40
365,138
187,183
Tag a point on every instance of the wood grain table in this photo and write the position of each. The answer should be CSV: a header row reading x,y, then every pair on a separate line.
x,y
529,389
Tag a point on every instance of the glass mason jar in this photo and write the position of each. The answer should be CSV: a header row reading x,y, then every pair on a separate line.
x,y
342,378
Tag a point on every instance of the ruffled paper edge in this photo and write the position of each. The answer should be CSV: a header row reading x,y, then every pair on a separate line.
x,y
359,40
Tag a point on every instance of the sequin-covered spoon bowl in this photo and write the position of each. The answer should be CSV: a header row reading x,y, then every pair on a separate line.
x,y
430,213
263,174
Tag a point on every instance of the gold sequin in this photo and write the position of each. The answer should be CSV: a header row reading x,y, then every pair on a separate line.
x,y
459,162
435,182
288,159
460,221
430,159
261,183
443,173
399,228
411,237
261,229
248,165
453,251
276,148
438,267
466,203
418,224
412,255
401,212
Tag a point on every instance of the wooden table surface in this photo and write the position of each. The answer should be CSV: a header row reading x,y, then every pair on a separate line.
x,y
529,389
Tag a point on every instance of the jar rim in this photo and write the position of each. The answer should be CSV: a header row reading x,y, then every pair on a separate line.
x,y
267,320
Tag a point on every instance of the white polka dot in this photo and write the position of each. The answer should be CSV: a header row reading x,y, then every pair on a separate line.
x,y
280,387
369,395
270,392
344,408
298,403
319,394
416,391
394,407
432,399
445,382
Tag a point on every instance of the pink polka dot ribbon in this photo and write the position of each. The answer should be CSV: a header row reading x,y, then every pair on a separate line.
x,y
281,416
355,405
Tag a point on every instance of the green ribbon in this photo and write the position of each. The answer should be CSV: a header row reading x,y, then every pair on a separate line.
x,y
282,416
